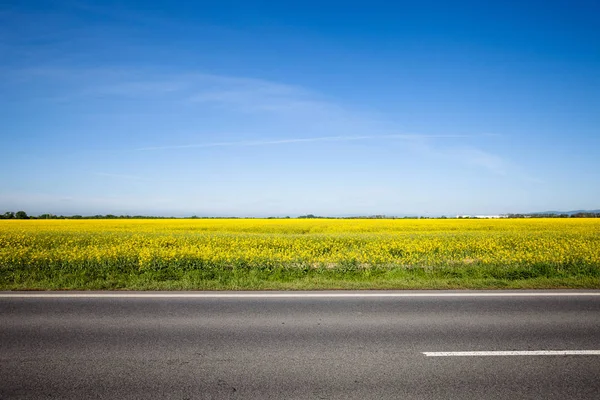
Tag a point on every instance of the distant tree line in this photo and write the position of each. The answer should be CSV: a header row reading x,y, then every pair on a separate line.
x,y
23,215
14,215
575,215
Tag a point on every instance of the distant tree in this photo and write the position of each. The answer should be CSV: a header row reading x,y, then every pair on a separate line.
x,y
8,215
585,215
21,215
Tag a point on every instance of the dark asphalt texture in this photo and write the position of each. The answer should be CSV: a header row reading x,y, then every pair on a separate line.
x,y
296,348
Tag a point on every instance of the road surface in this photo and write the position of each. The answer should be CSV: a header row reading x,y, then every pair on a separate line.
x,y
319,345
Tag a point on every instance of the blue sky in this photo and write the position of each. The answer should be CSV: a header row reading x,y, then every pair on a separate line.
x,y
287,108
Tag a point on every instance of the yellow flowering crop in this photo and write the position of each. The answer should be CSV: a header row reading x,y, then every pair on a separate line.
x,y
146,245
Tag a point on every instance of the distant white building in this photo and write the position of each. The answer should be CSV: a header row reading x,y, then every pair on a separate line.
x,y
481,216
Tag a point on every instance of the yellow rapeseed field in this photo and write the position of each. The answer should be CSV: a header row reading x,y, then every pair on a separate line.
x,y
140,245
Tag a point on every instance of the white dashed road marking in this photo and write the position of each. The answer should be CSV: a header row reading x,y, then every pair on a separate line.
x,y
512,353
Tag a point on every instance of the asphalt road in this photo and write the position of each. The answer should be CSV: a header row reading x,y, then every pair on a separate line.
x,y
298,347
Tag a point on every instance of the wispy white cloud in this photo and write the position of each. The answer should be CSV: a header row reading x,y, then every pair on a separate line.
x,y
479,158
276,105
302,140
118,176
255,95
188,89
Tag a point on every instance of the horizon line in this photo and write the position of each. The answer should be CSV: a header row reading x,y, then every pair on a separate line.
x,y
305,216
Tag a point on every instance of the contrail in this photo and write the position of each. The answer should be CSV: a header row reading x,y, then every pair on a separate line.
x,y
299,140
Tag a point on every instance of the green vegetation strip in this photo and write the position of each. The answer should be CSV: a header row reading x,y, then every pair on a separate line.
x,y
74,278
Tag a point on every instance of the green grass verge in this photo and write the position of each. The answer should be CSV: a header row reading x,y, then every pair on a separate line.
x,y
111,277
